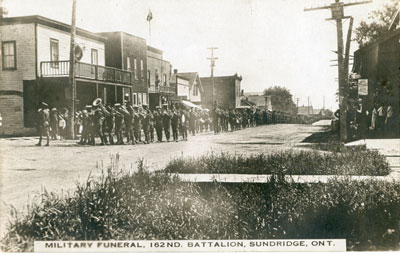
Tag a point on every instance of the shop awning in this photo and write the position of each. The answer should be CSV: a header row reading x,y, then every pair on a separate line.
x,y
190,104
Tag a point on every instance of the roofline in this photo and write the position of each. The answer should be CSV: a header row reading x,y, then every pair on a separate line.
x,y
386,37
121,32
154,49
227,76
37,19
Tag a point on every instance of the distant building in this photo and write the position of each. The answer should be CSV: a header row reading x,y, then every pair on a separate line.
x,y
256,99
227,91
35,67
158,78
128,52
305,110
192,92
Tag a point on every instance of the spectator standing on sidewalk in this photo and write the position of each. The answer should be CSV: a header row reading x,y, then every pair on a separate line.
x,y
380,120
44,123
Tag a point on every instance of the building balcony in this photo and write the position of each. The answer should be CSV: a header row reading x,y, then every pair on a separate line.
x,y
85,71
162,89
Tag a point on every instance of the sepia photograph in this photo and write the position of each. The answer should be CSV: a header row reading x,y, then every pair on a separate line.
x,y
187,126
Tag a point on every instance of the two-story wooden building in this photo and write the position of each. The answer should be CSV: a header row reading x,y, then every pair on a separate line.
x,y
35,67
129,52
190,92
226,91
158,78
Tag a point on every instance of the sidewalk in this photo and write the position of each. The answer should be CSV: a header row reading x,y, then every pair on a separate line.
x,y
390,148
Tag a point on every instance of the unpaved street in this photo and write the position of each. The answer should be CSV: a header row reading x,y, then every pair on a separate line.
x,y
27,169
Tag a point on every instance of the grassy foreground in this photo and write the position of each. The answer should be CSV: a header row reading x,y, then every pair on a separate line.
x,y
338,161
146,205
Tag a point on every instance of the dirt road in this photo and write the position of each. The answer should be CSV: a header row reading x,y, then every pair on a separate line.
x,y
25,170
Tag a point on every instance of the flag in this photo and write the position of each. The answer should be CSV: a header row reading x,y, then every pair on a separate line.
x,y
149,16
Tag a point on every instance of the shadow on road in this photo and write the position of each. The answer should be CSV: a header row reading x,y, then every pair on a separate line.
x,y
326,136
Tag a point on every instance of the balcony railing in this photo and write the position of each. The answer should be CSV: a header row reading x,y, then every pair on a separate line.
x,y
162,89
86,71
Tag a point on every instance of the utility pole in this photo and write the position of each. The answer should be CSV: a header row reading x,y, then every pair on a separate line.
x,y
308,105
212,60
323,103
337,10
72,81
297,102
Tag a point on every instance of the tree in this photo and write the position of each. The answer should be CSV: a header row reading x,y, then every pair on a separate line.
x,y
377,24
281,99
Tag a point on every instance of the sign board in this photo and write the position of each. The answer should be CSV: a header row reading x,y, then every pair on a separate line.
x,y
363,87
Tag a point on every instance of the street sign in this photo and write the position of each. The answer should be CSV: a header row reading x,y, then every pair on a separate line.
x,y
363,87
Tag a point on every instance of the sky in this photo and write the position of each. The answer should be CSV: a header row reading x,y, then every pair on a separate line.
x,y
267,42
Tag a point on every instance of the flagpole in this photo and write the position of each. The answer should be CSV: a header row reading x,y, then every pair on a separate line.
x,y
149,32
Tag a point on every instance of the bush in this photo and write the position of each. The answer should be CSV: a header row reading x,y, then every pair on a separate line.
x,y
142,205
352,161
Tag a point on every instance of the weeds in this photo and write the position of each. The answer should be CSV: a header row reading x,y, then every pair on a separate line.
x,y
353,161
145,206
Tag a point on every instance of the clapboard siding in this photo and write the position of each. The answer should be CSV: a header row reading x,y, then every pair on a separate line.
x,y
44,34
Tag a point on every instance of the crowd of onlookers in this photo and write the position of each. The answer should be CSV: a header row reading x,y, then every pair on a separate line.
x,y
378,121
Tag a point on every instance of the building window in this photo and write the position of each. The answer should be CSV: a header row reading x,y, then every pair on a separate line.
x,y
94,59
195,89
141,69
134,98
145,98
54,53
135,68
9,56
164,79
128,63
157,81
148,78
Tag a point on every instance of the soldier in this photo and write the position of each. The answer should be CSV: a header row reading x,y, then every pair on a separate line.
x,y
192,121
127,112
44,123
99,116
85,127
145,123
175,123
151,125
109,124
184,124
54,123
158,123
119,121
166,121
137,123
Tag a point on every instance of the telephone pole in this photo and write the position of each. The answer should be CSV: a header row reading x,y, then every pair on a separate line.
x,y
337,10
212,64
72,81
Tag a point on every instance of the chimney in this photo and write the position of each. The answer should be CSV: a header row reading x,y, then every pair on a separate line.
x,y
175,71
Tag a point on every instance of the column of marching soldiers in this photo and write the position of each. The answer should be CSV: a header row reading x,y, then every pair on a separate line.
x,y
124,123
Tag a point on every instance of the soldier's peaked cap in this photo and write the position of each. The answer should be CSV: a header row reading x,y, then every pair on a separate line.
x,y
44,104
88,106
117,104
